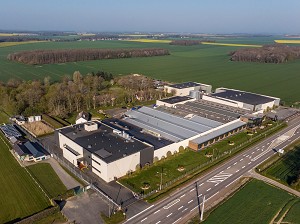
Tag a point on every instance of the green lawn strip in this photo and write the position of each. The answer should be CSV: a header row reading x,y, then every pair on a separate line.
x,y
257,202
293,214
190,160
48,179
20,197
52,122
4,118
286,208
56,218
116,218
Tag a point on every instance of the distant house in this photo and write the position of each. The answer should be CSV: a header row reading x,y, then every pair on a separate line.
x,y
34,118
29,151
83,117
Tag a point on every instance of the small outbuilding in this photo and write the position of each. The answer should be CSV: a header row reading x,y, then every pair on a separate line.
x,y
83,117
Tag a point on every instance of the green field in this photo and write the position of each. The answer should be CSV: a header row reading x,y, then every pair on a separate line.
x,y
286,170
20,196
48,179
202,63
256,203
4,118
293,214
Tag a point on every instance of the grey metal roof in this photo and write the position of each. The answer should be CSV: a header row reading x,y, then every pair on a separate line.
x,y
176,99
10,130
185,85
33,150
169,126
219,132
245,97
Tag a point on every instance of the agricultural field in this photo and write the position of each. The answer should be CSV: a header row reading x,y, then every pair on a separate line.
x,y
201,63
21,197
287,41
286,170
231,45
48,179
256,203
4,118
10,44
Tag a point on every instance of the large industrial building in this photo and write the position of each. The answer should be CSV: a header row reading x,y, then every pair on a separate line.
x,y
241,99
116,146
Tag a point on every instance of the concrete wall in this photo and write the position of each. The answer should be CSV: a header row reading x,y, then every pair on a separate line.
x,y
99,167
225,102
120,167
179,92
161,103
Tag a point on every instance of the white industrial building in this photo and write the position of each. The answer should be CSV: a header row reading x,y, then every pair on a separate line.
x,y
173,101
183,89
242,99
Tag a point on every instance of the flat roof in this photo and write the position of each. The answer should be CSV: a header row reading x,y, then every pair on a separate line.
x,y
222,130
244,97
176,99
169,126
102,142
10,130
185,85
137,132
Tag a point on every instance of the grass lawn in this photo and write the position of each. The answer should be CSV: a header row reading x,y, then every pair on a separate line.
x,y
56,218
293,215
286,169
20,196
118,217
48,179
52,121
202,63
256,202
4,118
189,159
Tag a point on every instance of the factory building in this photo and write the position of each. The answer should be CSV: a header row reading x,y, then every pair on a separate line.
x,y
241,99
183,89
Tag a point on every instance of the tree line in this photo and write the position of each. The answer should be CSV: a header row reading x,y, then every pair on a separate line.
x,y
188,42
267,54
36,57
76,93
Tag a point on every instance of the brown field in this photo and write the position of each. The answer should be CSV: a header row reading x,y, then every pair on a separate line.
x,y
38,128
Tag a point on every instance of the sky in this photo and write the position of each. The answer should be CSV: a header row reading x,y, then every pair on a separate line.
x,y
186,16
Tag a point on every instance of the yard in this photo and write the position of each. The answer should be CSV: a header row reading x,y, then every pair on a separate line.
x,y
256,202
38,128
20,195
48,179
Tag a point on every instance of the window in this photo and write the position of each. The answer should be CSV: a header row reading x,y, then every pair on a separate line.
x,y
96,162
96,169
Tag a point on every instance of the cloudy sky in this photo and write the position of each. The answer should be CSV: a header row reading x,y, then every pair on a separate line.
x,y
196,16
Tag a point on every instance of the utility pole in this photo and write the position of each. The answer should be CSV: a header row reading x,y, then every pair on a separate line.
x,y
202,211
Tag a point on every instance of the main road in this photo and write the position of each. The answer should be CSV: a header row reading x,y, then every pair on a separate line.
x,y
189,198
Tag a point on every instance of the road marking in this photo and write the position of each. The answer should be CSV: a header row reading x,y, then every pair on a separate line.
x,y
263,146
228,167
169,214
195,208
157,211
241,159
220,177
235,163
252,152
201,184
184,209
140,213
237,171
249,163
208,189
182,196
144,219
243,167
199,195
177,220
190,201
180,207
171,204
216,184
157,222
192,190
257,150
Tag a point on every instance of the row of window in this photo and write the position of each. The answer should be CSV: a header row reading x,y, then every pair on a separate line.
x,y
96,169
96,162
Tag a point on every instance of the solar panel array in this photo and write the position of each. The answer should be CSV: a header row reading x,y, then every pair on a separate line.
x,y
169,126
10,131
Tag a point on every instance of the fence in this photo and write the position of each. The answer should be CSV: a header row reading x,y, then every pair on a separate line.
x,y
213,159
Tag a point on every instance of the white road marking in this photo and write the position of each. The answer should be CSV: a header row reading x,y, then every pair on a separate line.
x,y
220,177
228,167
184,209
195,208
182,196
199,195
216,184
252,152
257,150
208,189
235,163
171,204
237,171
140,213
241,159
192,190
201,184
169,214
157,222
190,201
157,211
144,219
177,220
180,207
243,167
249,163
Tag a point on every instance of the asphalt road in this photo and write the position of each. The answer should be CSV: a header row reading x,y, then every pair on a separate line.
x,y
187,200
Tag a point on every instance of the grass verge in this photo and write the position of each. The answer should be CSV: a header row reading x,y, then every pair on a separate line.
x,y
118,217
